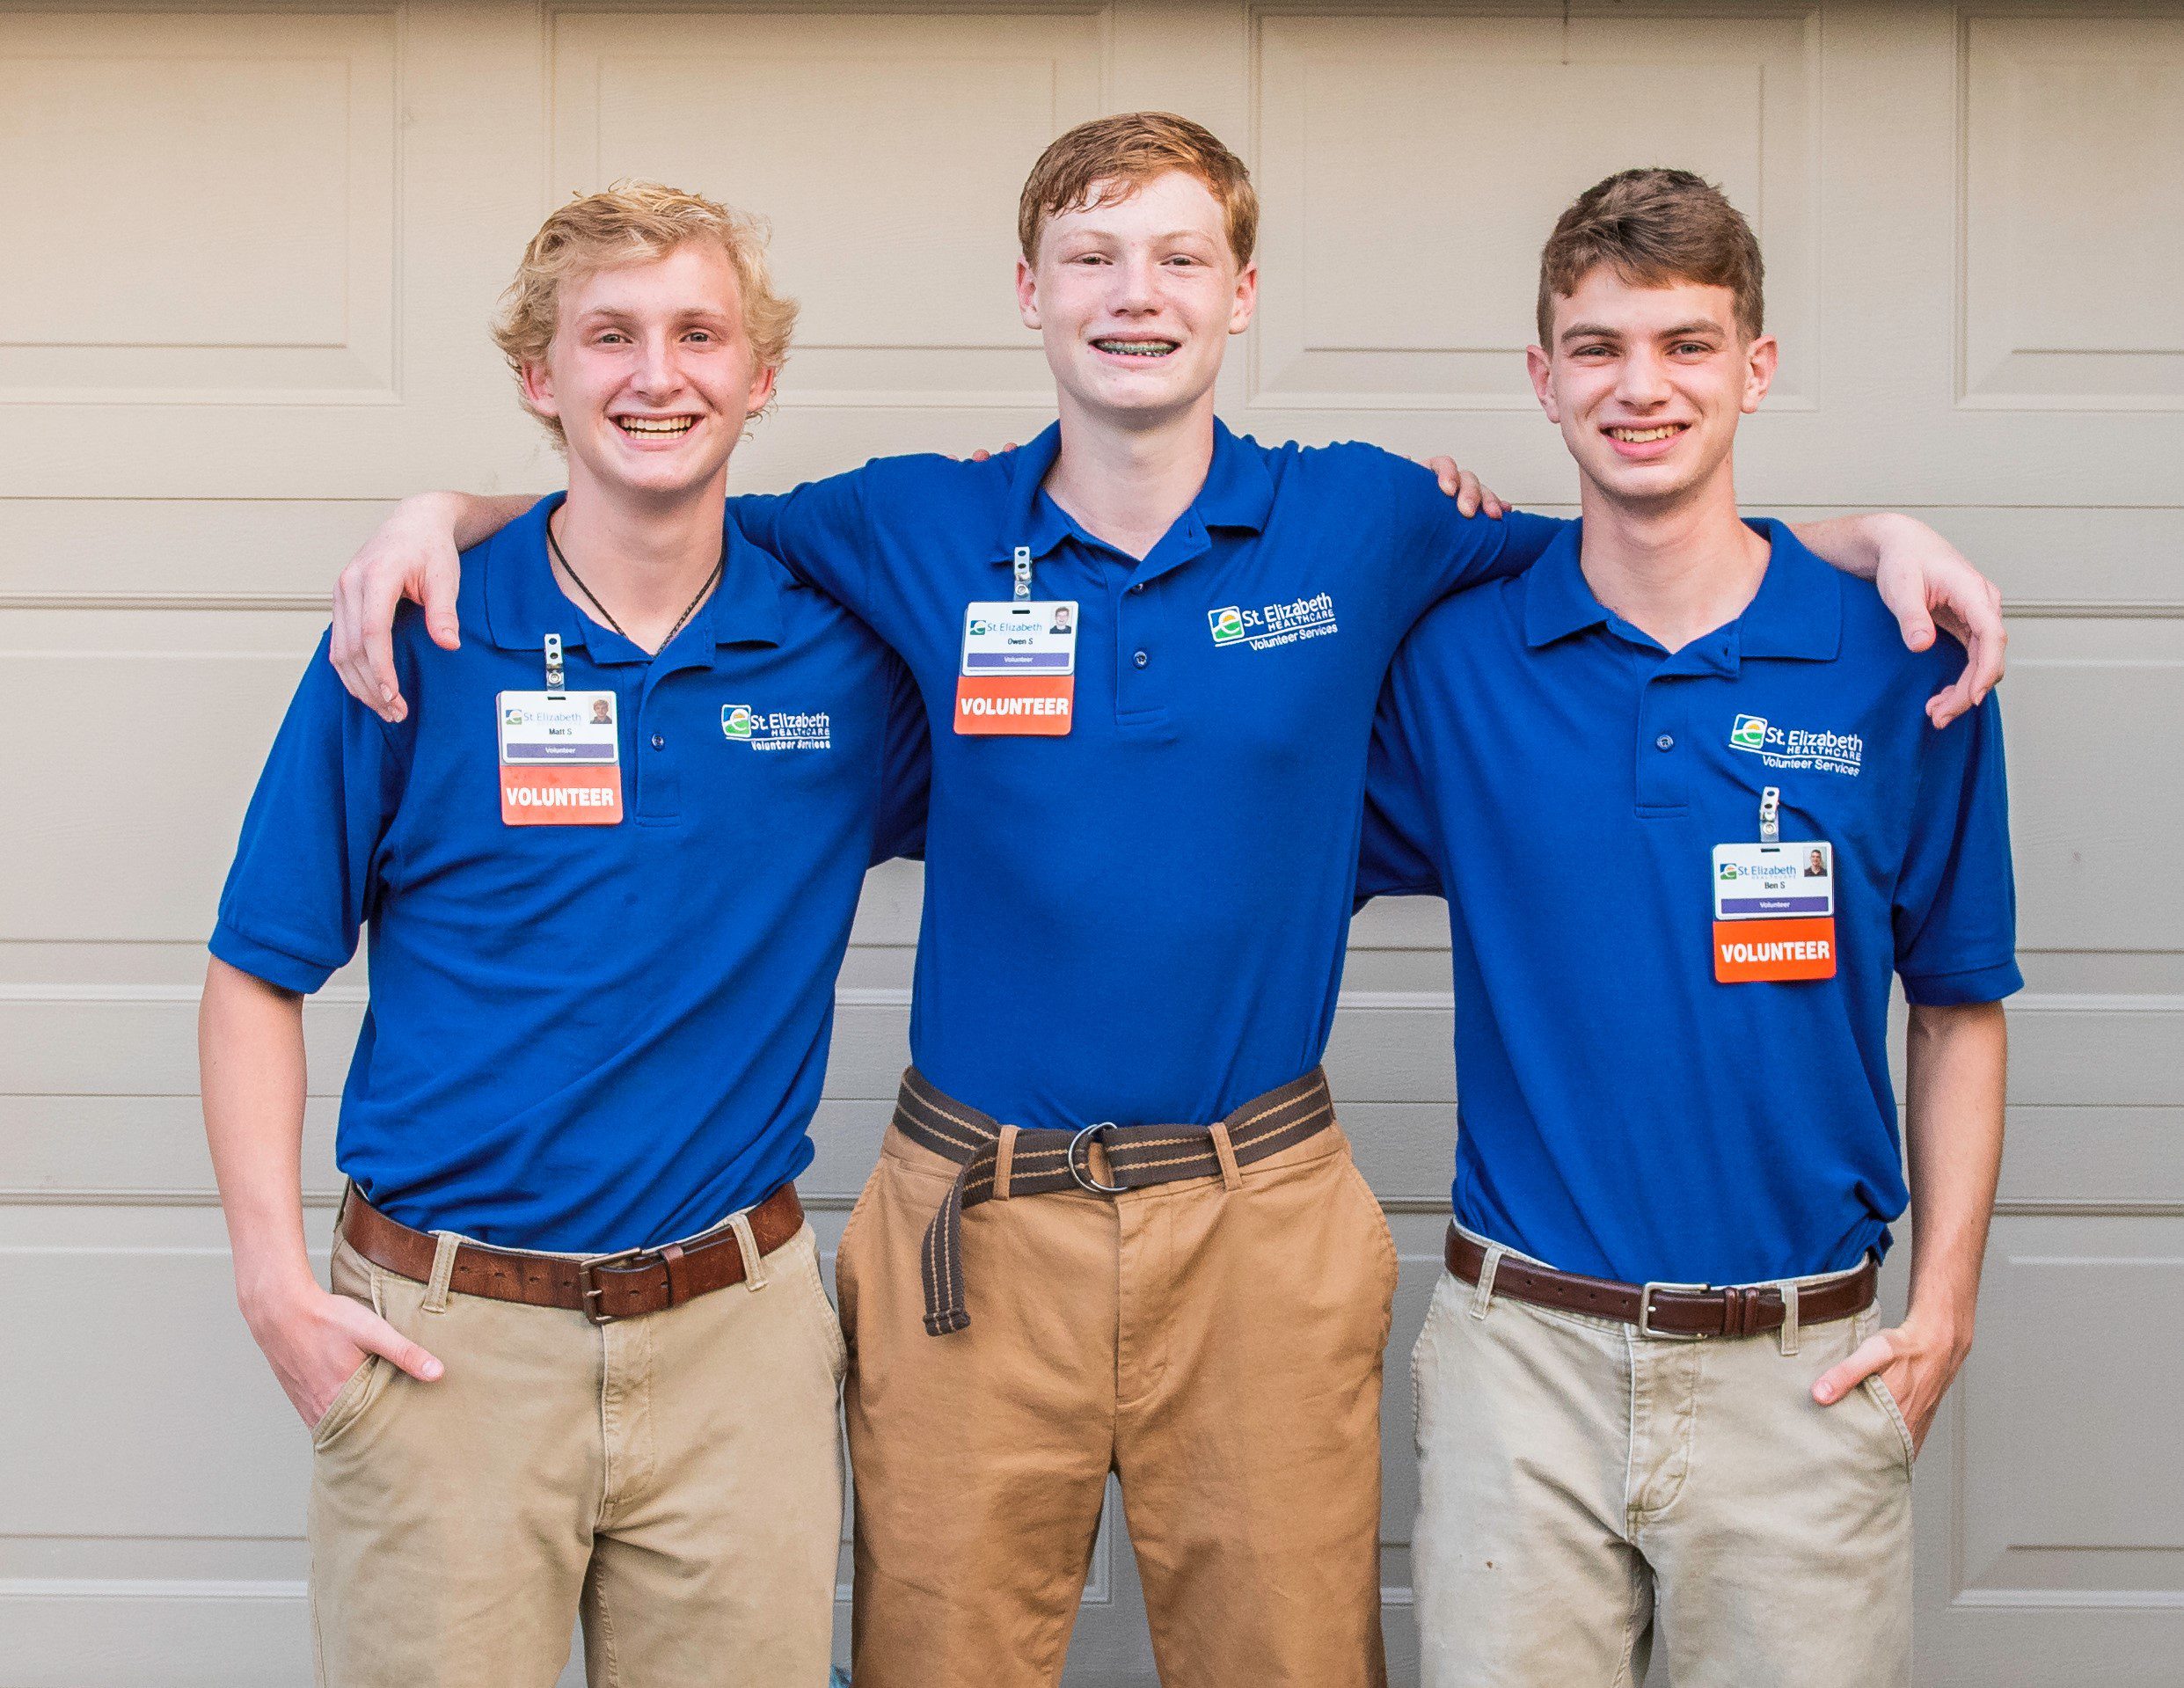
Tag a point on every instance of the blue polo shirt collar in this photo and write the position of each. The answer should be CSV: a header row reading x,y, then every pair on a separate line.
x,y
523,603
1797,613
1237,493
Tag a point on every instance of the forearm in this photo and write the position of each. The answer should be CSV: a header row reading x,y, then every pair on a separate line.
x,y
1956,1059
471,517
250,1041
1854,543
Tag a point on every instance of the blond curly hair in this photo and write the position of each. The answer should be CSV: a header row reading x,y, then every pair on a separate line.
x,y
634,223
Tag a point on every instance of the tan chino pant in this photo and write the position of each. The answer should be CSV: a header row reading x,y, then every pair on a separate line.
x,y
1219,1350
675,1478
1584,1490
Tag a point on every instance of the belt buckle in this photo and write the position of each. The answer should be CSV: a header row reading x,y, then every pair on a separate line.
x,y
588,1280
1645,1312
1084,1177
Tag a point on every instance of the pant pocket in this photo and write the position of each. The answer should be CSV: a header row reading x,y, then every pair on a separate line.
x,y
1885,1400
350,1401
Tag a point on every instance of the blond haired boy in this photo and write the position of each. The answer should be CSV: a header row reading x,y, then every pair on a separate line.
x,y
576,1357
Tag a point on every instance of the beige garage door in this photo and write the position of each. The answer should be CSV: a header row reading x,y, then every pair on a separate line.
x,y
249,256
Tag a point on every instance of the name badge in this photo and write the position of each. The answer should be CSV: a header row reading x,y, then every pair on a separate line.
x,y
1773,912
560,759
1019,668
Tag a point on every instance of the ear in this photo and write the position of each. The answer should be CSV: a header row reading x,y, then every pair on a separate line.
x,y
1760,358
1537,366
761,389
1246,300
537,383
1027,293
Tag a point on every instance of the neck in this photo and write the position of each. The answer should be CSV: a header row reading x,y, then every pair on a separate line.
x,y
1125,484
644,559
1675,570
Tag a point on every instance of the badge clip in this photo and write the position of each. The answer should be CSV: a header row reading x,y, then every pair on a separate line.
x,y
1770,815
1023,573
553,664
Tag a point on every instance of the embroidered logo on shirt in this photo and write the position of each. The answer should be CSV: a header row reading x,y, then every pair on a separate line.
x,y
1273,623
1827,753
776,729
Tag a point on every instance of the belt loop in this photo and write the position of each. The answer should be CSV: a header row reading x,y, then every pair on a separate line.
x,y
1482,1292
1004,1162
678,1274
445,1244
1789,1318
747,1245
1225,1151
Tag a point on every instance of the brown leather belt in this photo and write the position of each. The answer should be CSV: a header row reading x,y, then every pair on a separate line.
x,y
999,1161
603,1287
1689,1311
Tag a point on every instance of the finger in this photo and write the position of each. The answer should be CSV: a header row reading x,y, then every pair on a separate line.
x,y
1468,494
981,455
443,581
1448,474
345,648
1493,506
1838,1380
374,1334
1916,624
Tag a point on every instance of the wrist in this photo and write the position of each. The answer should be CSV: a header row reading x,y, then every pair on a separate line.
x,y
1940,1330
269,1293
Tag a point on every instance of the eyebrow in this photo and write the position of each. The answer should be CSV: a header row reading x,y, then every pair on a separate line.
x,y
1590,330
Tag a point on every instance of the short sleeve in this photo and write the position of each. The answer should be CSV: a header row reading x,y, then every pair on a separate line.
x,y
1399,854
907,776
823,530
1444,551
1955,905
301,887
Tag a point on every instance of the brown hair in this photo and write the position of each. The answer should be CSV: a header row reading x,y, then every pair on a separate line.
x,y
1118,156
635,222
1653,227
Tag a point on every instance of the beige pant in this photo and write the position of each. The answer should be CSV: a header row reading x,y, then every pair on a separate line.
x,y
1582,1486
1221,1351
674,1477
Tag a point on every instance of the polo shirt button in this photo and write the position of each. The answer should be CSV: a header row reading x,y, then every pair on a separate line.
x,y
659,743
1666,741
1135,589
1142,658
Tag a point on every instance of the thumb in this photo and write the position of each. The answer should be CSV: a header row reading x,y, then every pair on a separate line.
x,y
443,578
375,1335
1918,625
1838,1380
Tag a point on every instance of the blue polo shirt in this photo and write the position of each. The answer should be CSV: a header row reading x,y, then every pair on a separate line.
x,y
1143,921
1564,781
584,1038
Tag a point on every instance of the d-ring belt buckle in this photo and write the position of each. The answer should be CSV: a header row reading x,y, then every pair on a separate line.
x,y
1084,1177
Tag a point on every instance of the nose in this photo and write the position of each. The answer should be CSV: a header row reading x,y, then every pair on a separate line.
x,y
656,371
1643,380
1138,290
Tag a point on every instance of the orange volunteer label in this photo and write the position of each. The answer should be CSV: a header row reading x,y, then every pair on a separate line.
x,y
561,797
1747,952
1028,705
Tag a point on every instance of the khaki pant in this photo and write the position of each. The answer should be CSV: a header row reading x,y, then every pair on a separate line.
x,y
1221,1351
1582,1486
674,1477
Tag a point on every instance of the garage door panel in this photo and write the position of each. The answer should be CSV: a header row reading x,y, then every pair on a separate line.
x,y
1453,273
233,176
2076,1327
2074,128
123,553
823,116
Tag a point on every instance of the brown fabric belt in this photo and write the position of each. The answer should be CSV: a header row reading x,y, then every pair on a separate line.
x,y
1666,1309
999,1161
603,1288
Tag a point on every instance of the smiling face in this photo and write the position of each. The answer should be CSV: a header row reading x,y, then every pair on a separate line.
x,y
1135,300
651,374
1648,383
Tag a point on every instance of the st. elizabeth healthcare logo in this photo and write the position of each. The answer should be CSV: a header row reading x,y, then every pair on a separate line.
x,y
776,729
1273,623
1796,747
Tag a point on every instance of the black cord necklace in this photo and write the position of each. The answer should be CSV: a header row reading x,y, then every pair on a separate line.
x,y
607,615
